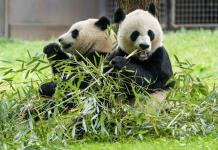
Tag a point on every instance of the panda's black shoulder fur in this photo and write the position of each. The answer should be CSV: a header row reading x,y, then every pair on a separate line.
x,y
157,68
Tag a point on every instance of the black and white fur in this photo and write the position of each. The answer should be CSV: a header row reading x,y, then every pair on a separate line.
x,y
86,34
141,31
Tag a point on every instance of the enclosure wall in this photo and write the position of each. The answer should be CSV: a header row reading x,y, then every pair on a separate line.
x,y
2,17
43,19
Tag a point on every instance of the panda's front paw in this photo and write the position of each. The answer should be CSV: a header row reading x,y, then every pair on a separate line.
x,y
54,52
47,90
52,49
119,62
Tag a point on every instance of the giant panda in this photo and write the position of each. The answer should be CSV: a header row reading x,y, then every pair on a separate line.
x,y
150,66
88,39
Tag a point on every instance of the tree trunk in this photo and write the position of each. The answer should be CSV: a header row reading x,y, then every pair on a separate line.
x,y
130,5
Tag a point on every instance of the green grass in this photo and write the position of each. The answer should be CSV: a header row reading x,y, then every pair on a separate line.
x,y
198,47
17,49
198,143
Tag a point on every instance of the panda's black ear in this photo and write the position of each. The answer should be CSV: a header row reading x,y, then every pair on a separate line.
x,y
119,15
103,23
151,9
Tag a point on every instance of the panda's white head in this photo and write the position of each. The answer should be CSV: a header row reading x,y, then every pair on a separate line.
x,y
90,33
139,30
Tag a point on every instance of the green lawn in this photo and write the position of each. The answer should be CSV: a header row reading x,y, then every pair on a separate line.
x,y
198,143
200,47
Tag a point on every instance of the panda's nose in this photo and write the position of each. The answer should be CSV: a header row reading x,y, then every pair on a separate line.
x,y
60,40
143,46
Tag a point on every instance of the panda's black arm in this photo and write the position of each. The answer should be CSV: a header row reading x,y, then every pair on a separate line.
x,y
108,60
133,70
54,52
141,76
47,89
55,55
164,69
118,52
136,71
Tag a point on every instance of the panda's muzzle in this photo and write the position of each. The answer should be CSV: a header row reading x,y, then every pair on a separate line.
x,y
143,55
63,44
66,46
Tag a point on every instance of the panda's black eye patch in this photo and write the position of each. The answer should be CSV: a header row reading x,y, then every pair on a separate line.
x,y
151,34
75,33
134,36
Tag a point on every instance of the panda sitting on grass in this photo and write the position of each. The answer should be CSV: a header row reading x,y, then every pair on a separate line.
x,y
84,38
88,39
141,37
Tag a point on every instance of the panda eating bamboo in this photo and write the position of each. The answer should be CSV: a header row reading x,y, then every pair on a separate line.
x,y
141,50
